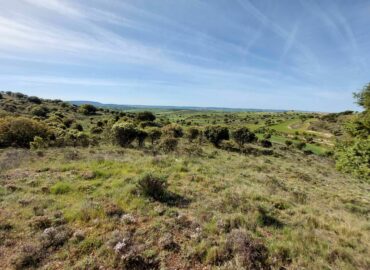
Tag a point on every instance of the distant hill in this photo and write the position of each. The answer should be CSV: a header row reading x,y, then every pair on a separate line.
x,y
171,108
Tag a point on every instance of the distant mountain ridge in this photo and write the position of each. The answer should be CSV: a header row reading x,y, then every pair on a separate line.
x,y
158,107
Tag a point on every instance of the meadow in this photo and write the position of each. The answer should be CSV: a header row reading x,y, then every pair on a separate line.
x,y
98,194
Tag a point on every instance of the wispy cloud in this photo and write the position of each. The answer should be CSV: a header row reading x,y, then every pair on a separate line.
x,y
225,45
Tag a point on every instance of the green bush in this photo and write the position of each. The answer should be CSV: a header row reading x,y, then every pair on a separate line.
x,y
124,133
169,144
266,143
40,111
154,134
21,131
216,134
300,145
154,186
87,109
35,100
146,116
192,134
243,135
141,135
288,143
354,158
173,130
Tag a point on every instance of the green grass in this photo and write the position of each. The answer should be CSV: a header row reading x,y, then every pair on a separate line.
x,y
307,216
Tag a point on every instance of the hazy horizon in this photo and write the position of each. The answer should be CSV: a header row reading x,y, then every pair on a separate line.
x,y
291,55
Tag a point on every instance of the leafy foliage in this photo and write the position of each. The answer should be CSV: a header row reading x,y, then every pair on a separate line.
x,y
243,135
146,116
216,134
124,133
88,109
21,131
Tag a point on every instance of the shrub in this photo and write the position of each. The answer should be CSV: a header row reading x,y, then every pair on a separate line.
x,y
300,145
243,135
38,143
288,143
169,144
1,96
154,186
40,111
193,134
35,100
266,143
87,109
216,134
173,130
60,188
146,116
124,133
252,254
141,135
21,131
154,134
267,136
30,256
354,158
77,126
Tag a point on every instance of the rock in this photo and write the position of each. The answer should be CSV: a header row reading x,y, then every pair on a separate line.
x,y
128,219
79,235
121,247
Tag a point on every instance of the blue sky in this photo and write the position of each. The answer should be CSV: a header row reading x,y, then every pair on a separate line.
x,y
286,54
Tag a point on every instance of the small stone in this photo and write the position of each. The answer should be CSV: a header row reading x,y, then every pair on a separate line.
x,y
79,235
121,246
128,219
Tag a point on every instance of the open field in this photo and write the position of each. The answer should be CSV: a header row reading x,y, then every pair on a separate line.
x,y
305,213
90,188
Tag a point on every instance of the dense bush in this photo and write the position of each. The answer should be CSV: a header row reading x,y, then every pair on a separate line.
x,y
353,155
35,100
141,135
266,143
300,145
1,96
288,143
153,186
88,109
173,130
169,144
154,134
216,134
243,135
21,131
40,111
192,134
354,158
124,133
146,116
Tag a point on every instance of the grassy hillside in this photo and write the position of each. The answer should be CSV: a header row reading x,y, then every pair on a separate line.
x,y
191,206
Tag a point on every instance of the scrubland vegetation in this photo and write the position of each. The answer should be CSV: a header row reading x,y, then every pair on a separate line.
x,y
90,188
